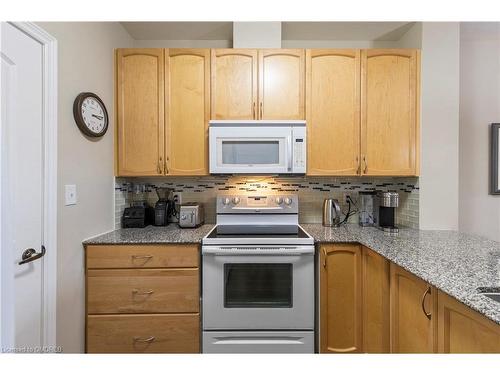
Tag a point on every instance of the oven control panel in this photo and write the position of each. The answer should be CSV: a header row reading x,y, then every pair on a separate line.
x,y
256,203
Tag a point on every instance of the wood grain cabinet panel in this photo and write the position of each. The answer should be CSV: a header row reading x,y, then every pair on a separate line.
x,y
376,302
389,112
187,85
332,111
340,298
140,112
144,333
126,291
462,330
142,298
281,84
413,313
234,84
142,256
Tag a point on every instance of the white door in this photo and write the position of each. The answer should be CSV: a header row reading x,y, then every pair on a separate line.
x,y
22,191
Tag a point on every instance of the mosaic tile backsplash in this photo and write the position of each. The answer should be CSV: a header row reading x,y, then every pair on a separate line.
x,y
311,191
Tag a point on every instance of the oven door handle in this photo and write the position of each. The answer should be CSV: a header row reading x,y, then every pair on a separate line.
x,y
235,251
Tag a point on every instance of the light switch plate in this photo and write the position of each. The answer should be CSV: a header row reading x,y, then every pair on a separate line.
x,y
70,194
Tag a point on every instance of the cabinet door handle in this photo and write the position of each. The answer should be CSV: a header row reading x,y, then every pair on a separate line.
x,y
166,165
253,111
324,258
366,164
261,110
149,339
136,291
358,163
160,166
428,315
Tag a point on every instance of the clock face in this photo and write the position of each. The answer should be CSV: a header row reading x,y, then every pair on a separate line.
x,y
90,114
93,115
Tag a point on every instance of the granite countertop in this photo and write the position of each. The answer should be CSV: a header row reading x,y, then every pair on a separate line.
x,y
172,233
453,262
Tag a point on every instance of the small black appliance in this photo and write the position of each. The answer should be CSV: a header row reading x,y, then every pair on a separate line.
x,y
163,207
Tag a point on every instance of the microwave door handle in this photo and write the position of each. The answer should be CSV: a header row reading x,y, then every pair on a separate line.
x,y
289,154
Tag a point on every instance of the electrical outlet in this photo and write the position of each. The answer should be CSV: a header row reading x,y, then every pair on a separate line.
x,y
177,196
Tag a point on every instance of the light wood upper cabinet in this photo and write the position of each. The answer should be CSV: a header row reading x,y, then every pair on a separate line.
x,y
389,112
140,112
413,313
376,305
332,111
462,330
187,85
340,298
234,84
281,84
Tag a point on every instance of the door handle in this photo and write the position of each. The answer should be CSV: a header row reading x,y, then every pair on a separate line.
x,y
366,165
358,163
147,292
289,155
261,110
428,315
253,111
29,255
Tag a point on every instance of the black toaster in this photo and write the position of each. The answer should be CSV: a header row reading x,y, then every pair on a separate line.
x,y
137,217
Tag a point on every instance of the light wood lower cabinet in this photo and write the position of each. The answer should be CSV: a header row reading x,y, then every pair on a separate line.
x,y
376,324
144,333
413,313
142,299
462,330
370,305
340,299
142,291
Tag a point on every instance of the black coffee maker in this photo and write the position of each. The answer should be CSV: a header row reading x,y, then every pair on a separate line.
x,y
163,207
386,204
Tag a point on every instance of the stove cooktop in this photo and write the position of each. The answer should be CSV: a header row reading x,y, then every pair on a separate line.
x,y
258,234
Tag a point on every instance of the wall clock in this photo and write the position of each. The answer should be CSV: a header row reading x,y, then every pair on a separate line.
x,y
90,114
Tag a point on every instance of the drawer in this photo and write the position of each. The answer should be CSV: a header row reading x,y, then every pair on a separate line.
x,y
143,291
175,333
142,256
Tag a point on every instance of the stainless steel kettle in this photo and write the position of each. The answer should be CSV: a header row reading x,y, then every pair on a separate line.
x,y
331,213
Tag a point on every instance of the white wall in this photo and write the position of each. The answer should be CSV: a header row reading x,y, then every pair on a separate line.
x,y
479,107
439,121
183,43
257,34
85,64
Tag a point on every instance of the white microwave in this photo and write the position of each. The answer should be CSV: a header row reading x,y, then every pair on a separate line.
x,y
257,146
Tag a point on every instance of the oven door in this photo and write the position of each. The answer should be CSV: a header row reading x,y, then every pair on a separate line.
x,y
250,149
258,288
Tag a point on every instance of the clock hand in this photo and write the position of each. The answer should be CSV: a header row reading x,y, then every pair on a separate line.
x,y
99,117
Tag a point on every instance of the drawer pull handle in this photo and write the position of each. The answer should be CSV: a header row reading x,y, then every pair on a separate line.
x,y
142,256
136,291
149,339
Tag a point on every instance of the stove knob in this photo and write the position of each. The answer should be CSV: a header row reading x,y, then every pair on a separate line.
x,y
279,200
226,201
288,201
236,200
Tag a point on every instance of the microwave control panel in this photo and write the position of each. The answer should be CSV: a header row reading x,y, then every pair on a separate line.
x,y
299,149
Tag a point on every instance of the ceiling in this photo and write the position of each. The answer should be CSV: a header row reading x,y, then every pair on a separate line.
x,y
383,31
